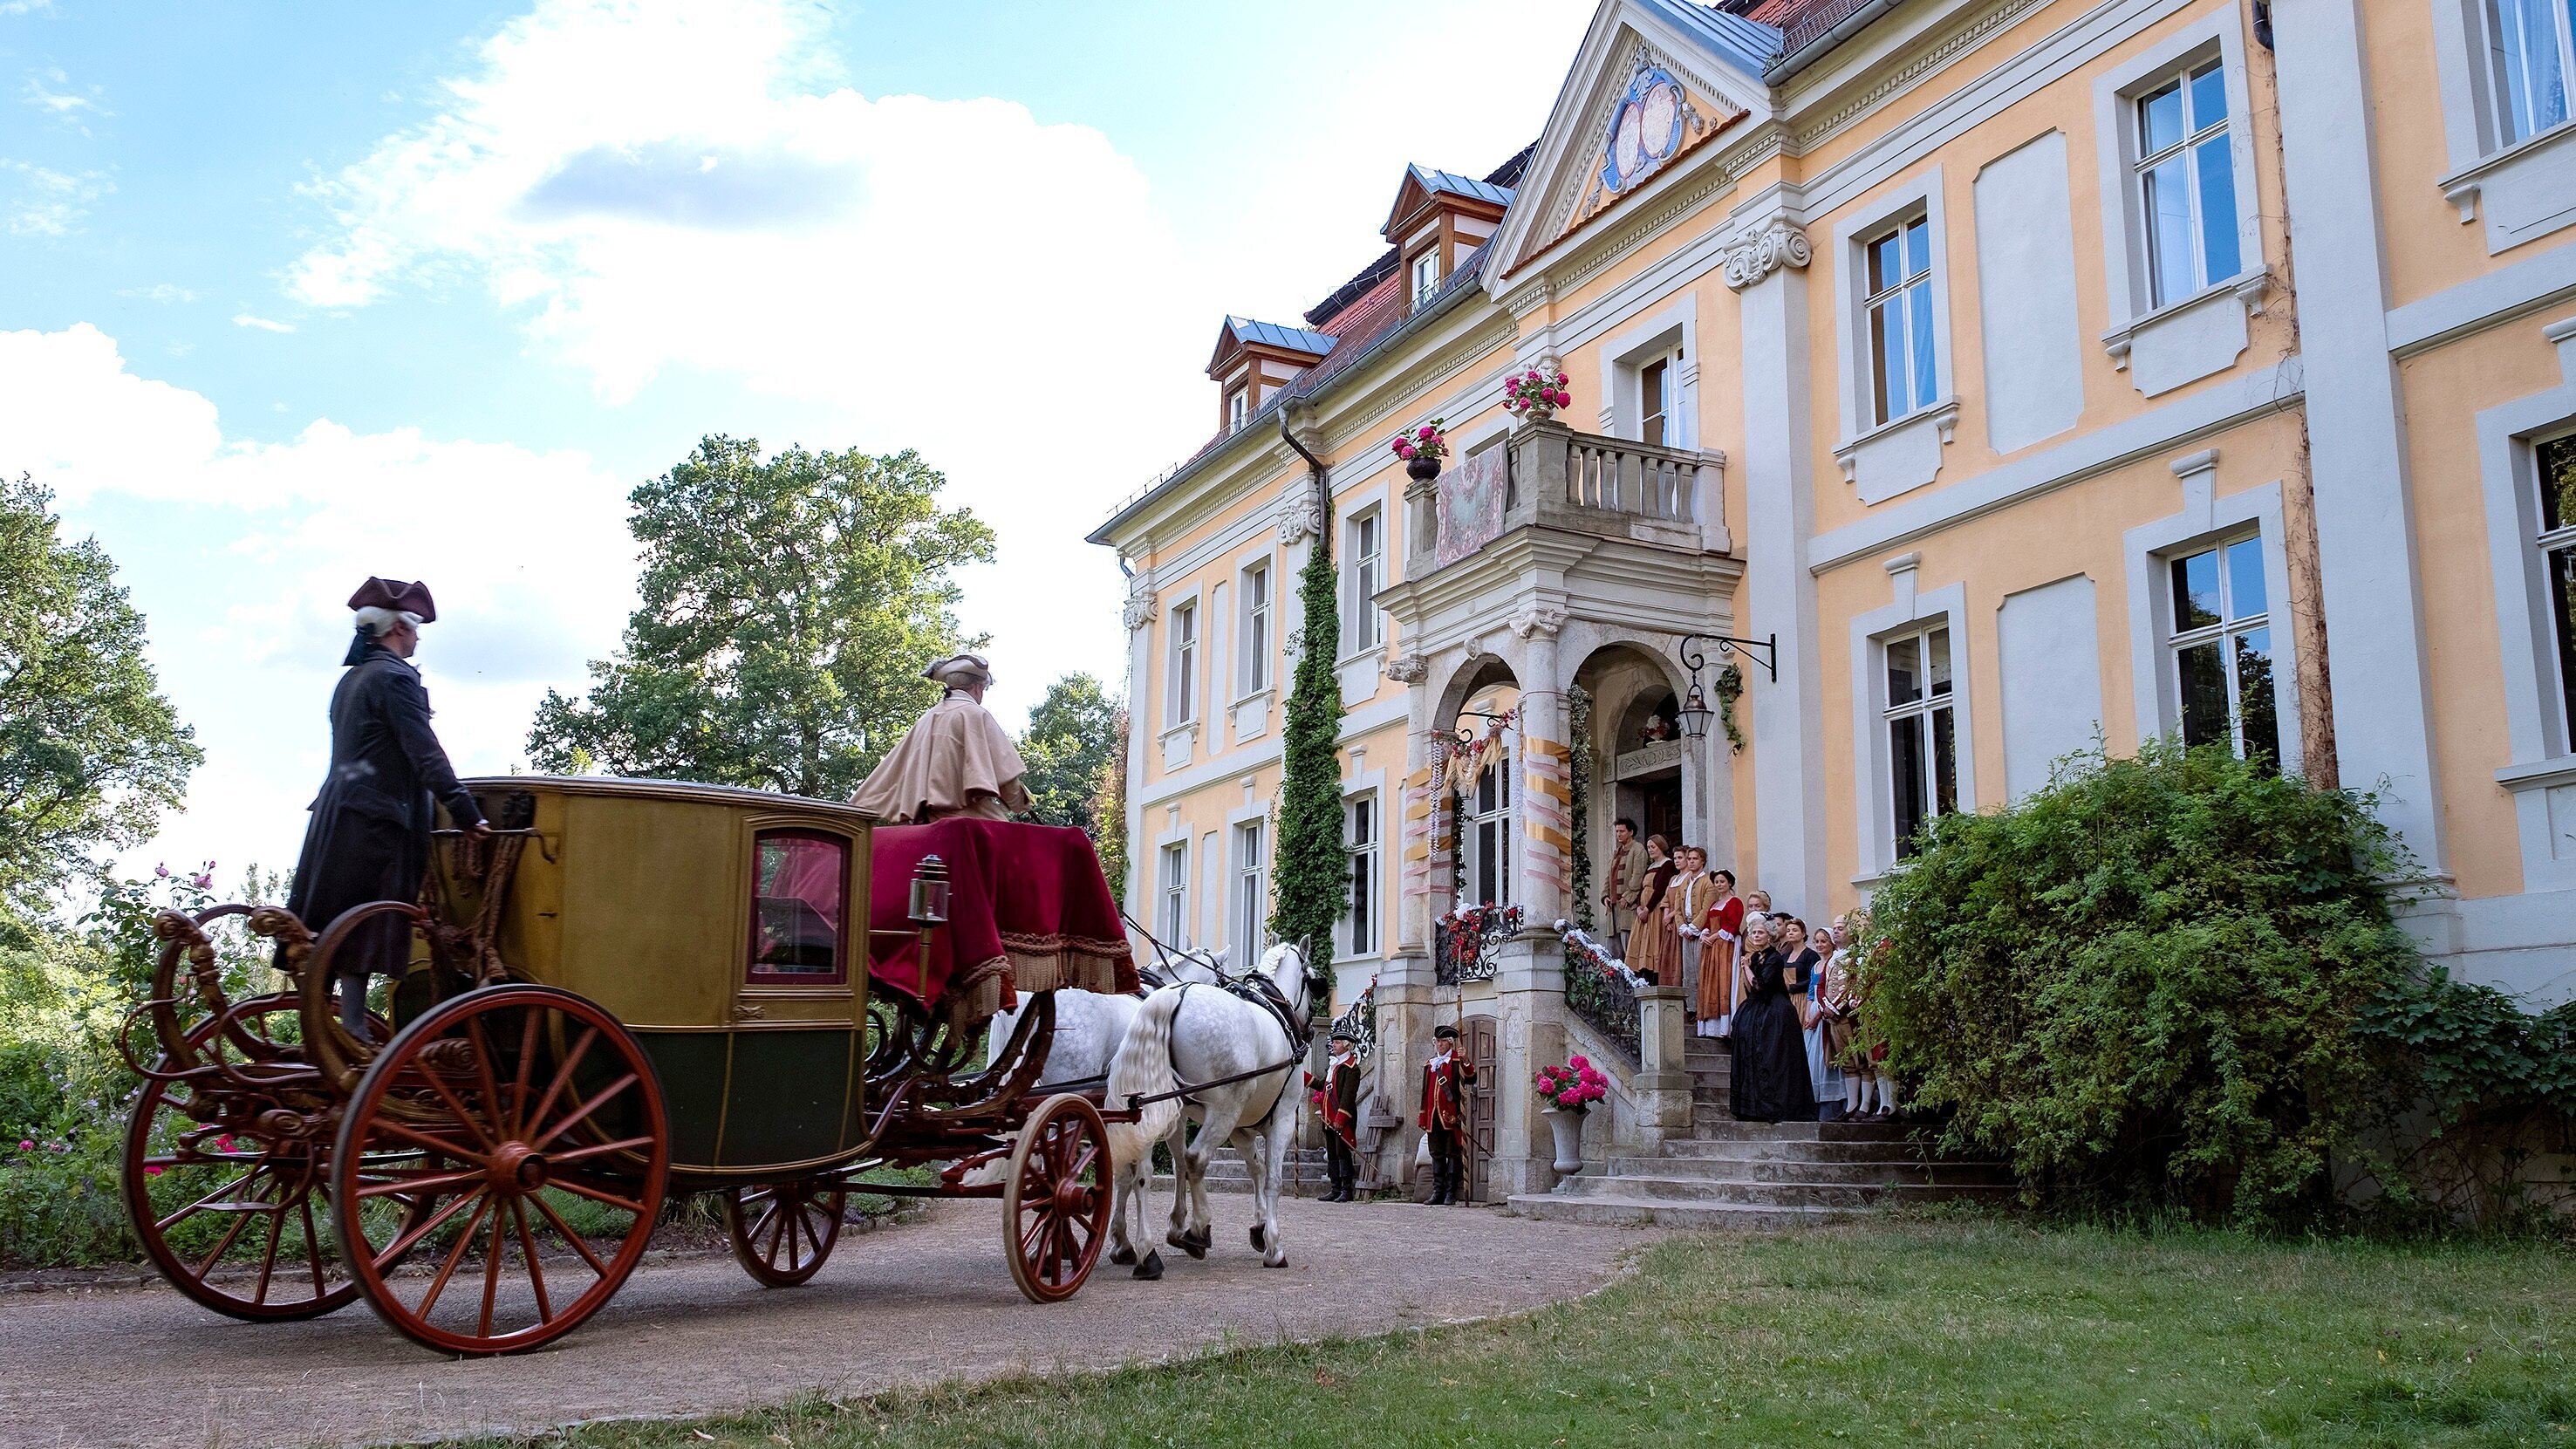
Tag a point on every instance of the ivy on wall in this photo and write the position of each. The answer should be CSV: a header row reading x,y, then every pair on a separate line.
x,y
1578,714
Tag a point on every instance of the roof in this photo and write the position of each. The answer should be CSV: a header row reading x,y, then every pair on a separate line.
x,y
1423,186
1783,29
1271,334
1451,183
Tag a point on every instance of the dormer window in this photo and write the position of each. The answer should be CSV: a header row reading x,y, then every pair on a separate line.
x,y
1253,360
1238,406
1426,275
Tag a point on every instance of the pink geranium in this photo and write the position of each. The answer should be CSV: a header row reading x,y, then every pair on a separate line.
x,y
1427,441
1534,389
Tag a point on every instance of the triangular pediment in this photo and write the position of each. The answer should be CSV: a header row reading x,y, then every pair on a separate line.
x,y
1654,82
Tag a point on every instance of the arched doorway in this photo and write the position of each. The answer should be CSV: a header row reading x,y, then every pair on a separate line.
x,y
1640,768
1479,797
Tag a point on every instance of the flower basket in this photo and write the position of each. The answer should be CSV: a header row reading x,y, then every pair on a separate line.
x,y
1422,449
1536,396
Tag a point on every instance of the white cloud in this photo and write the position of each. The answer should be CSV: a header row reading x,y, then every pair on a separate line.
x,y
159,292
24,7
241,555
50,202
67,106
244,319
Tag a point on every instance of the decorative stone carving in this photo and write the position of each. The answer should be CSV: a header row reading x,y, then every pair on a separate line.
x,y
1537,619
1778,244
1408,668
1140,608
1301,511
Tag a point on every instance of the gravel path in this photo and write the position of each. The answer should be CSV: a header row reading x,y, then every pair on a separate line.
x,y
914,1304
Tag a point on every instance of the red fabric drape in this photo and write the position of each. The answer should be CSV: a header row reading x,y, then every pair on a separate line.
x,y
1027,903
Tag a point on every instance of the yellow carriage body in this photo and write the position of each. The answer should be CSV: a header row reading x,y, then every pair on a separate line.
x,y
665,903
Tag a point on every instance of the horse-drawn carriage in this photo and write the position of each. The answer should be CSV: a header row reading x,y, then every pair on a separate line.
x,y
631,991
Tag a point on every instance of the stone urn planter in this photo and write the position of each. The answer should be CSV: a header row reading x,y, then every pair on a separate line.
x,y
1422,469
1538,413
1568,1126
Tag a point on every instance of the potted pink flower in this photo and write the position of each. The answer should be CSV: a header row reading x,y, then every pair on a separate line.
x,y
1569,1091
1422,449
1536,395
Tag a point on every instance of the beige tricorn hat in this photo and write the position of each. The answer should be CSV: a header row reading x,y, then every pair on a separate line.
x,y
960,670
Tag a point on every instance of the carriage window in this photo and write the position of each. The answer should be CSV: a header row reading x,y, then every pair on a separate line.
x,y
799,900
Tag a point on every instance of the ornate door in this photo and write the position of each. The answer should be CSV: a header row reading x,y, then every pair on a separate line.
x,y
1480,1104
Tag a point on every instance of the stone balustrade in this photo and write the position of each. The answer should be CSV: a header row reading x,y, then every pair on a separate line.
x,y
1590,483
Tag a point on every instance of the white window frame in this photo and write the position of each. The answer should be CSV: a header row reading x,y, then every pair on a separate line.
x,y
1361,921
2512,128
1925,705
1900,310
1503,818
2542,771
1238,407
2149,550
1363,575
2521,188
1247,927
1884,459
1182,663
1257,615
1422,274
2182,352
1912,612
2184,83
1172,891
2223,547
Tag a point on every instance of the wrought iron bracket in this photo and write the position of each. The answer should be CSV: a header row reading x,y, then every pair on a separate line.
x,y
1694,661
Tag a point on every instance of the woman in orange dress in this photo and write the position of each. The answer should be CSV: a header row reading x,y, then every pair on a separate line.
x,y
1724,923
1655,943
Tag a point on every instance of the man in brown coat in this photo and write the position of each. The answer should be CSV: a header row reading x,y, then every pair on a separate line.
x,y
1623,884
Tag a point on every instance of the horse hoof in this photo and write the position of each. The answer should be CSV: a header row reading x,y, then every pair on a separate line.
x,y
1202,1238
1279,1262
1151,1268
1122,1256
1257,1243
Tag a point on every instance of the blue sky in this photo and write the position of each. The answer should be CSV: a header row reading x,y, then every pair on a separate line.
x,y
294,294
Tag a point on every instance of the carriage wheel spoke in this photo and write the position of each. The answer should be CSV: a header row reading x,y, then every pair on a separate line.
x,y
409,1240
483,1069
563,1077
455,1108
435,1143
312,1245
527,1064
570,1236
586,1108
596,1195
624,1144
455,1255
760,1231
536,1275
492,1252
421,1184
200,1205
268,1257
1090,1155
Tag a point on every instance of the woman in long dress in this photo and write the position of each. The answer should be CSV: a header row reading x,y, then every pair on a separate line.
x,y
1769,1080
1723,924
1655,944
1806,976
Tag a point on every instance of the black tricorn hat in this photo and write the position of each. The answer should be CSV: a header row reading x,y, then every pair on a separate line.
x,y
1343,1034
1445,1033
394,594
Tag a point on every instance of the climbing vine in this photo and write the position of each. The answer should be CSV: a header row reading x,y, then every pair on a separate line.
x,y
1578,714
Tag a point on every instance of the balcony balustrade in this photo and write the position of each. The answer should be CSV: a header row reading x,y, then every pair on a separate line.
x,y
1578,482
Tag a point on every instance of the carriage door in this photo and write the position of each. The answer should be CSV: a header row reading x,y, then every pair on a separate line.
x,y
1480,1105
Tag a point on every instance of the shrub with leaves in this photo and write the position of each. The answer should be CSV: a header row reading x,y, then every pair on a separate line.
x,y
2142,983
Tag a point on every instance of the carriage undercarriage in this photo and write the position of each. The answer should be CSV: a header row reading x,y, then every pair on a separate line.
x,y
487,1166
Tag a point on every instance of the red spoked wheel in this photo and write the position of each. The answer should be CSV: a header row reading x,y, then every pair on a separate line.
x,y
783,1231
1055,1200
543,1151
225,1185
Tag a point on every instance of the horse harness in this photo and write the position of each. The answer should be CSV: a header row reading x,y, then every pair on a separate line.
x,y
1262,992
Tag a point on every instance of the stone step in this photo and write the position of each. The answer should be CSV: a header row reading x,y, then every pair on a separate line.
x,y
1746,1149
1843,1196
1882,1171
1613,1210
1727,1129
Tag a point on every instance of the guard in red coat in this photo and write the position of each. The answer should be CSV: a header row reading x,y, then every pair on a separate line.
x,y
1446,1080
1337,1101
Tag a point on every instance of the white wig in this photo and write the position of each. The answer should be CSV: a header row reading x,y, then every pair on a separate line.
x,y
378,621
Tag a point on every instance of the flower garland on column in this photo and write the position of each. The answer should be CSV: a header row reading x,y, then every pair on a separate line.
x,y
1578,718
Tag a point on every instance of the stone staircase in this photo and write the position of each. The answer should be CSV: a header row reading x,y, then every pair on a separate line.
x,y
1761,1176
1226,1173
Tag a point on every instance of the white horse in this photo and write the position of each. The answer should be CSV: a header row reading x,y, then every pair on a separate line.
x,y
1191,1034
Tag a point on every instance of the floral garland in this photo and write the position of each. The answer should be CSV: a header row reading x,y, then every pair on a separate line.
x,y
1467,935
1578,702
1730,688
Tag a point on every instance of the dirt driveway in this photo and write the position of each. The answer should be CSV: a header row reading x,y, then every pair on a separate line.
x,y
913,1304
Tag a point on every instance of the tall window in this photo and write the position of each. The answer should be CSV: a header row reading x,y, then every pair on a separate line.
x,y
1249,897
799,898
1255,670
1486,832
1172,916
1902,374
1360,838
2186,178
1238,406
1654,401
2222,649
1183,705
1426,275
1922,737
2557,460
2529,46
1363,574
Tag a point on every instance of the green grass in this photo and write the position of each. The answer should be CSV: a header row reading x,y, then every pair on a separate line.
x,y
1906,1333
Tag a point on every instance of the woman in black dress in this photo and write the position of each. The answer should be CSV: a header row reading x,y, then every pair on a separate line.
x,y
1770,1058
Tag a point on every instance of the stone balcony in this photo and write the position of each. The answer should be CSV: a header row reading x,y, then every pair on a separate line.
x,y
1577,483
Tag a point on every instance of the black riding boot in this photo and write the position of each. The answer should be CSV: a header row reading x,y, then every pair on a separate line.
x,y
1440,1180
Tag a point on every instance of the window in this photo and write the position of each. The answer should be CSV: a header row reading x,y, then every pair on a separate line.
x,y
1922,735
2557,460
1654,401
1360,838
1899,308
799,898
1172,919
1426,275
2528,43
1249,898
1183,705
1238,406
2222,649
1363,575
1255,670
2186,179
1486,833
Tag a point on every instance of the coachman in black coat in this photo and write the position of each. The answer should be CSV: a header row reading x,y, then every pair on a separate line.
x,y
369,837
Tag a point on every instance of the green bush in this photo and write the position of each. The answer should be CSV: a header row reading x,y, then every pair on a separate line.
x,y
2142,983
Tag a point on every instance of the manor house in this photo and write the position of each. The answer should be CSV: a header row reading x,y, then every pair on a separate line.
x,y
1953,382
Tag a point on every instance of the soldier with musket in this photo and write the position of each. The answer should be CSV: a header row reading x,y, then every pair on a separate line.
x,y
1446,1080
369,836
1337,1100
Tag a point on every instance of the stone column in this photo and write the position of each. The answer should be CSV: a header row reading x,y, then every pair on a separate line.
x,y
1138,615
1662,1086
1766,264
1529,977
1404,983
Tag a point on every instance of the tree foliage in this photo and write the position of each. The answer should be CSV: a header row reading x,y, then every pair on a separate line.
x,y
1071,742
789,604
90,751
2143,983
1311,881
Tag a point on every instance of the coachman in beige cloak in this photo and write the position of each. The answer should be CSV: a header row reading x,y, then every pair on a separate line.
x,y
955,760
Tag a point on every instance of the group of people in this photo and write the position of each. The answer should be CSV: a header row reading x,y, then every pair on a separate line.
x,y
1784,995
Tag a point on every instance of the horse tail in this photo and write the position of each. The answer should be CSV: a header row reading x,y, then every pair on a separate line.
x,y
1143,1068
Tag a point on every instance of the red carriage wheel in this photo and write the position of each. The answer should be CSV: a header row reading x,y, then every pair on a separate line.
x,y
783,1231
1055,1200
541,1151
224,1192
